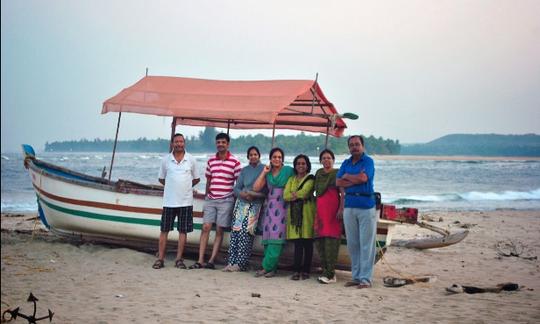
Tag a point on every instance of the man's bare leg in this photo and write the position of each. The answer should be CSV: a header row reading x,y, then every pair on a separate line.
x,y
181,244
205,233
217,243
162,245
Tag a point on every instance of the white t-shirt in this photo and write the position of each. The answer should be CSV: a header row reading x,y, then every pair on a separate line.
x,y
178,191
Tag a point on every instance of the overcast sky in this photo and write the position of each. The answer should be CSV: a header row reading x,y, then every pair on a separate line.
x,y
412,70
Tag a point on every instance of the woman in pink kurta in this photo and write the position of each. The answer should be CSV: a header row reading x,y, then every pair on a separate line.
x,y
328,221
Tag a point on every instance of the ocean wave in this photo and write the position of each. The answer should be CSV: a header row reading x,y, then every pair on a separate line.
x,y
470,196
505,195
19,207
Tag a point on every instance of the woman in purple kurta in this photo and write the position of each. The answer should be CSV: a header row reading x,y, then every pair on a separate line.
x,y
275,178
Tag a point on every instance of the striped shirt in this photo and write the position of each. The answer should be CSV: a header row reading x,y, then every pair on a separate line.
x,y
221,174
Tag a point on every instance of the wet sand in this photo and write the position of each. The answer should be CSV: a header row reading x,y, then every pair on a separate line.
x,y
102,284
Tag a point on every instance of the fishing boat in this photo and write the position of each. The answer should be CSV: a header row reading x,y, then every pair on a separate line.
x,y
99,209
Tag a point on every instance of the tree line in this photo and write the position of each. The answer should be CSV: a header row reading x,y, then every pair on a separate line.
x,y
205,142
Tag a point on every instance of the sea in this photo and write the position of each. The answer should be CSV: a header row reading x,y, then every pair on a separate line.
x,y
426,183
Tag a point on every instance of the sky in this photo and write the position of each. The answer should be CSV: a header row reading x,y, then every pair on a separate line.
x,y
411,70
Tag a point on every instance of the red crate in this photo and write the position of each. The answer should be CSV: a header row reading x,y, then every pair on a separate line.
x,y
404,215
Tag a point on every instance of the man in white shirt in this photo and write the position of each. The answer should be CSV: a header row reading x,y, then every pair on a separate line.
x,y
179,174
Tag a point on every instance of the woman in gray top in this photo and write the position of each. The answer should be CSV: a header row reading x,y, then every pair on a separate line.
x,y
246,213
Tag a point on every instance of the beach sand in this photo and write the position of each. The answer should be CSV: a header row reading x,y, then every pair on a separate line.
x,y
101,284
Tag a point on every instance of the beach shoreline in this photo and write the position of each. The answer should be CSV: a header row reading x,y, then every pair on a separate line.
x,y
104,284
454,158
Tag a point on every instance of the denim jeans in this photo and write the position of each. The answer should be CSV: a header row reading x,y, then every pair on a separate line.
x,y
361,232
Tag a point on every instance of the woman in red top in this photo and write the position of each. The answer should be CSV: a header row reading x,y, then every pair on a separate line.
x,y
328,221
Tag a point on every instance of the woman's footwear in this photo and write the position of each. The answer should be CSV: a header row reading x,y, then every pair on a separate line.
x,y
295,276
326,280
260,273
304,276
270,274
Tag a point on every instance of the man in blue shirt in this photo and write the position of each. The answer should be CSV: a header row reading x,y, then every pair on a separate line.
x,y
355,179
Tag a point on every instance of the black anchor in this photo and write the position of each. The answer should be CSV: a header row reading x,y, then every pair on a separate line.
x,y
30,318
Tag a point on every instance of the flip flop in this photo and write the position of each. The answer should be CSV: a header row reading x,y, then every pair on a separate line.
x,y
196,265
158,264
210,266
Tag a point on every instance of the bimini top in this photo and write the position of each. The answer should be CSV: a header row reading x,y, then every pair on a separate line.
x,y
289,104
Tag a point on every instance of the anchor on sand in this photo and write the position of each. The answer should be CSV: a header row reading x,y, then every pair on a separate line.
x,y
30,318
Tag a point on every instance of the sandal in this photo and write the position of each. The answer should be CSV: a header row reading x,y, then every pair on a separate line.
x,y
270,274
260,273
180,264
295,276
196,265
210,266
304,276
227,268
158,264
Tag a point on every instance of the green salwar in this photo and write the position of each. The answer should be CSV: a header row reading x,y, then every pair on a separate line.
x,y
328,248
272,252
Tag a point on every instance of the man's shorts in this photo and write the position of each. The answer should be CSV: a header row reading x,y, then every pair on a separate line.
x,y
218,211
185,219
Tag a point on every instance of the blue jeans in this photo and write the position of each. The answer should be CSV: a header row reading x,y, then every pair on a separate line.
x,y
361,231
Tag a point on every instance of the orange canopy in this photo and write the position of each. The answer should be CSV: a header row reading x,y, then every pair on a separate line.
x,y
289,104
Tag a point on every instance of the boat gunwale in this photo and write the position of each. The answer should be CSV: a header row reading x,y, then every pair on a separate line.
x,y
91,181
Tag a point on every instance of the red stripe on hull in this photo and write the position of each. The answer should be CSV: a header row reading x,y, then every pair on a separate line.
x,y
141,210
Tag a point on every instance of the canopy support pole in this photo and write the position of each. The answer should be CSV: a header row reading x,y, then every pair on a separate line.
x,y
313,94
228,126
273,134
327,132
114,147
173,131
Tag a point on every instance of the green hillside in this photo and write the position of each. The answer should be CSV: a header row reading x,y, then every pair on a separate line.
x,y
478,144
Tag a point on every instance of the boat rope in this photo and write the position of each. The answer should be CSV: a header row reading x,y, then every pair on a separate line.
x,y
384,261
34,229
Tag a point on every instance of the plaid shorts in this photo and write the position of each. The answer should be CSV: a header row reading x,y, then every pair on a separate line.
x,y
185,219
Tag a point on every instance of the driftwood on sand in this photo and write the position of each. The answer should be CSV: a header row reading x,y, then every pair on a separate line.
x,y
458,289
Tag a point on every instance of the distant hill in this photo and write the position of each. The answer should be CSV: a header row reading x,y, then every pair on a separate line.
x,y
478,144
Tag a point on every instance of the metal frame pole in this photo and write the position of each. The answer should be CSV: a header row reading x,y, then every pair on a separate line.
x,y
273,134
173,131
114,147
327,131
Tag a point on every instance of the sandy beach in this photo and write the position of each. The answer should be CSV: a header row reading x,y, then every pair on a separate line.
x,y
102,284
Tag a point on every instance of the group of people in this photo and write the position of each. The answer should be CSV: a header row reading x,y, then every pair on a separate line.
x,y
295,205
